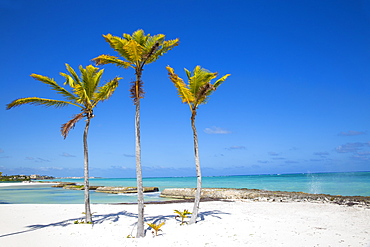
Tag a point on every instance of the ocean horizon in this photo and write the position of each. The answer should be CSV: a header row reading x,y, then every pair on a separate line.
x,y
333,183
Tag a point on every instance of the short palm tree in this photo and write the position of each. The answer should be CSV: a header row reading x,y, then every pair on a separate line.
x,y
85,94
197,92
137,50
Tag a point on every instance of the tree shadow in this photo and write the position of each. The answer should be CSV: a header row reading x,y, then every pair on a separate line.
x,y
114,217
97,219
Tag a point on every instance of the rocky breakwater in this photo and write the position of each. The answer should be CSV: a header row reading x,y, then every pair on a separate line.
x,y
263,195
118,190
104,189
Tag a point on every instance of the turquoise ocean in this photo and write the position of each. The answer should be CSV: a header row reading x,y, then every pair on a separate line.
x,y
346,184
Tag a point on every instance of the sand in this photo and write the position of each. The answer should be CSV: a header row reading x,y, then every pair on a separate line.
x,y
231,223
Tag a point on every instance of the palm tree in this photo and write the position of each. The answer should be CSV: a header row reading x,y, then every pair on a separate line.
x,y
85,94
137,50
197,91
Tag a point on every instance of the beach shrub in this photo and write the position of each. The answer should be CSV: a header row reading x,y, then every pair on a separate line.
x,y
81,222
155,227
183,215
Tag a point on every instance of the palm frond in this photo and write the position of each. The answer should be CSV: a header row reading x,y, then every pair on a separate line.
x,y
220,81
108,59
134,50
60,90
106,91
182,89
139,37
166,46
74,75
127,36
71,124
69,80
199,78
117,44
151,41
39,101
90,80
188,73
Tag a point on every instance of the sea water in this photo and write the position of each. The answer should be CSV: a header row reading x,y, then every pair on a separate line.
x,y
346,184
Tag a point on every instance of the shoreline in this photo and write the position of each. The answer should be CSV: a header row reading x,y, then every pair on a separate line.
x,y
220,223
7,184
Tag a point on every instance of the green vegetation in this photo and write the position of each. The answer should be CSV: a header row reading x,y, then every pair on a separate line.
x,y
155,227
194,94
82,222
183,215
21,178
14,178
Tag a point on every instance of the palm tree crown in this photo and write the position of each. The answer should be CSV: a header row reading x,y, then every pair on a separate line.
x,y
136,50
199,86
85,93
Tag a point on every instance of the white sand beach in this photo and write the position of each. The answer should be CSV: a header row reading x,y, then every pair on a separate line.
x,y
235,223
26,184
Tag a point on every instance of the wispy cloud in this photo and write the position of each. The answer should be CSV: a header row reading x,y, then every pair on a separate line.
x,y
351,147
216,130
67,155
351,133
121,167
236,148
273,153
364,156
37,159
278,158
51,168
262,161
1,151
291,162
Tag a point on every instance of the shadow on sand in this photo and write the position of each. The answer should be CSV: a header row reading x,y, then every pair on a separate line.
x,y
114,217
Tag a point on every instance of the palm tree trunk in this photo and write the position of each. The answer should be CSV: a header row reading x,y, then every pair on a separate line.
x,y
86,173
194,215
139,176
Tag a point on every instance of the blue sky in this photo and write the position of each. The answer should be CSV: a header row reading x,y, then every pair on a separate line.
x,y
297,100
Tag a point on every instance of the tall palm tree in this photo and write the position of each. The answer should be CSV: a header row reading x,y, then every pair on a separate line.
x,y
137,50
197,92
85,94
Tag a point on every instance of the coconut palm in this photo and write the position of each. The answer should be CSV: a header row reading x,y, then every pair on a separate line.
x,y
85,94
197,92
137,50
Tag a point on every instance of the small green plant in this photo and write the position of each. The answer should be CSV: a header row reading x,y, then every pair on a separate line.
x,y
155,227
183,215
81,222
